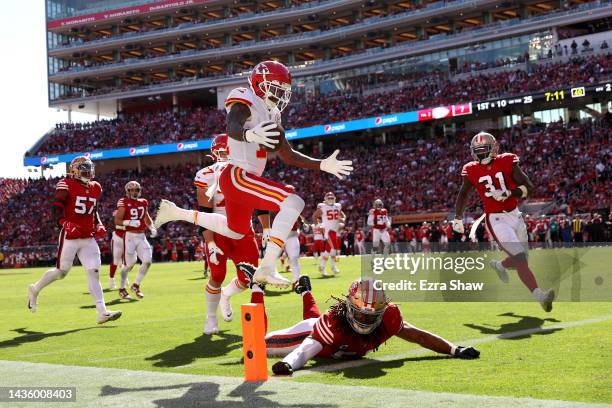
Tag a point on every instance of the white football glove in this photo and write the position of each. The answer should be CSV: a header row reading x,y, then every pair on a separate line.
x,y
213,251
261,134
131,223
458,226
265,237
153,231
338,168
501,195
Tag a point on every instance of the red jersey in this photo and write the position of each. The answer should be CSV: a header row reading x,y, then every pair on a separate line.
x,y
80,206
447,230
339,340
423,232
359,236
135,209
379,217
496,175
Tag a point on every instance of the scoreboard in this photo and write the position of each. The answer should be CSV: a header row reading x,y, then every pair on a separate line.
x,y
550,96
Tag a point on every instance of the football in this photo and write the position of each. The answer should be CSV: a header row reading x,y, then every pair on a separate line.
x,y
280,137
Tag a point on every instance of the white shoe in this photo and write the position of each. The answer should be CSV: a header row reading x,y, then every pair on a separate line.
x,y
322,271
226,308
335,270
109,316
270,276
164,213
111,284
547,300
502,273
211,326
32,298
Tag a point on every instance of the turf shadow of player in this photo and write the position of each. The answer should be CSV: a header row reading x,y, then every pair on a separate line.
x,y
521,329
28,336
202,346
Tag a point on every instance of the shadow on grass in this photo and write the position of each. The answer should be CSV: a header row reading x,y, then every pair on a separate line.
x,y
207,393
111,303
523,328
204,346
29,336
378,369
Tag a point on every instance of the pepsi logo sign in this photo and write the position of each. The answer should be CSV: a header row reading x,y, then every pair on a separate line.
x,y
179,146
327,128
378,121
43,159
132,150
87,155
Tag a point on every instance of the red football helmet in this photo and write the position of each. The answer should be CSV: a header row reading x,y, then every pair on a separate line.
x,y
271,81
219,147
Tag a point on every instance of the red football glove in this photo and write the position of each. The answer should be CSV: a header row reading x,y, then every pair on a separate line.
x,y
100,232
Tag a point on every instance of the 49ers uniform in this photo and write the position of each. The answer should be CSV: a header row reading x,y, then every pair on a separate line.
x,y
503,219
238,250
135,244
241,182
80,209
117,244
379,220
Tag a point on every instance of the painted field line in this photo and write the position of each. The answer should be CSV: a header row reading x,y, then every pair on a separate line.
x,y
359,363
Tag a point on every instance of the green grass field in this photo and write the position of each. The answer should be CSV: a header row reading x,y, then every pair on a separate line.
x,y
163,333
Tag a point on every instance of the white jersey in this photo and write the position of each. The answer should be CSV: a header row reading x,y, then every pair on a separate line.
x,y
250,156
330,216
205,178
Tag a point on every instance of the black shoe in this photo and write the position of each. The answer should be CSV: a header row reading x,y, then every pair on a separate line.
x,y
302,285
249,270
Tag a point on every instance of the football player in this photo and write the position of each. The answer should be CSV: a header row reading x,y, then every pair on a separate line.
x,y
75,210
356,325
379,220
329,213
318,237
116,251
292,249
133,214
253,120
500,182
219,249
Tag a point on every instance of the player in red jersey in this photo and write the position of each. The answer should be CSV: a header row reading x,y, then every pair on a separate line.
x,y
318,236
75,209
254,128
353,327
379,220
446,234
133,214
360,241
500,182
424,235
116,252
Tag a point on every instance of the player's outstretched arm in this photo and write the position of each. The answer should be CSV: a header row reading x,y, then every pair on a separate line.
x,y
435,343
339,168
298,357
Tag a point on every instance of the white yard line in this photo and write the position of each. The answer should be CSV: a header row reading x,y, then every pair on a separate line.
x,y
358,363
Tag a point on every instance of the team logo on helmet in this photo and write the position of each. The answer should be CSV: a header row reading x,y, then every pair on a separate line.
x,y
484,147
133,189
365,306
82,168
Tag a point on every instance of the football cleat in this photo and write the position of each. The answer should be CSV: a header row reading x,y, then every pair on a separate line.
x,y
502,273
547,300
136,289
109,316
282,368
226,308
302,285
111,284
267,275
165,213
335,270
123,294
211,326
32,298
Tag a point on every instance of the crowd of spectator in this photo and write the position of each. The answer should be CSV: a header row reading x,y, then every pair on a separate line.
x,y
568,162
437,90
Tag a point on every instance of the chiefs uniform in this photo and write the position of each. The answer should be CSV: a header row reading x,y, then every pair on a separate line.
x,y
503,219
80,210
379,220
238,250
135,242
318,233
330,219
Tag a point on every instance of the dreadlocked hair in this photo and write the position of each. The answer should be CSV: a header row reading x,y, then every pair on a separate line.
x,y
338,309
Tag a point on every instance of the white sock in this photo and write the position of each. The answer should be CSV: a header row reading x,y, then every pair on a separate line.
x,y
256,288
95,289
295,267
538,294
273,251
213,295
324,259
290,210
332,262
124,275
48,277
214,222
234,288
144,268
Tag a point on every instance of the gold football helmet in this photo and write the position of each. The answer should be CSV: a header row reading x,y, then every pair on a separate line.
x,y
133,189
82,168
484,147
365,306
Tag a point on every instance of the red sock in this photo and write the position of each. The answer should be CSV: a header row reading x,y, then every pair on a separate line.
x,y
310,306
509,263
113,269
258,297
526,275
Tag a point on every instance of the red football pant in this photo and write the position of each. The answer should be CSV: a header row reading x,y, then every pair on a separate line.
x,y
238,250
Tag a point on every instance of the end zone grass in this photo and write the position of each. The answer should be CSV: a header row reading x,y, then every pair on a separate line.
x,y
163,332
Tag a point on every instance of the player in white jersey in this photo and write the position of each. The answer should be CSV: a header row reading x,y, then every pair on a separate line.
x,y
330,214
253,127
378,219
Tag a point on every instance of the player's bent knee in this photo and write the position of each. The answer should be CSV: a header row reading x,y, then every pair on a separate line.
x,y
294,202
62,273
